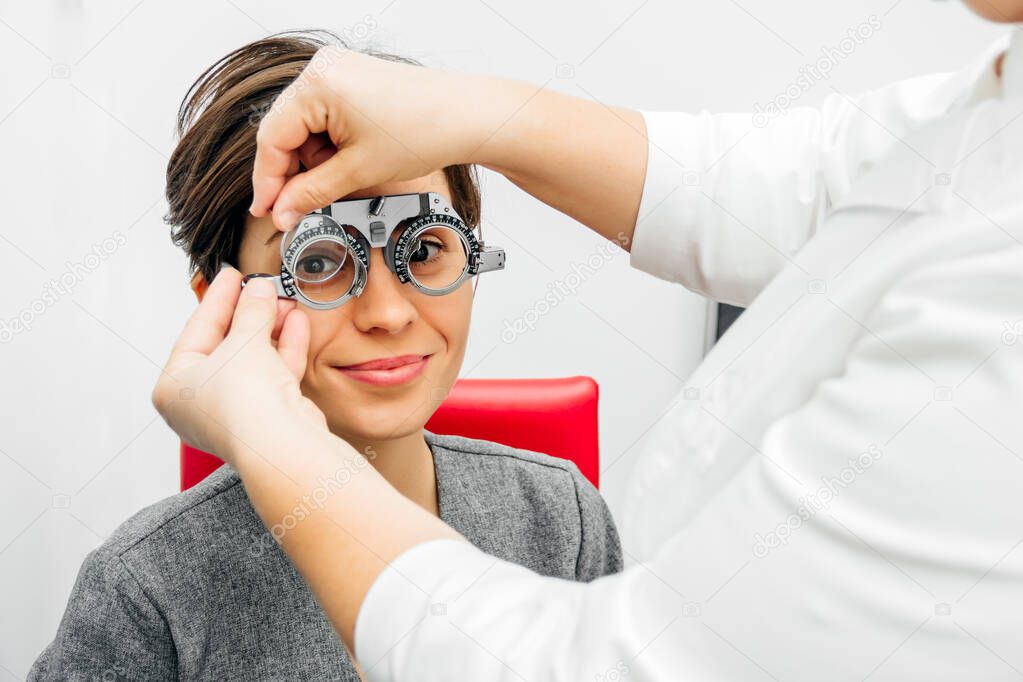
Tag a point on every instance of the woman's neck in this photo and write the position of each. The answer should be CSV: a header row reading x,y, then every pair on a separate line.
x,y
407,464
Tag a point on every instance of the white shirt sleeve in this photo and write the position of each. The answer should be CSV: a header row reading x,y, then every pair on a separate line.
x,y
728,199
446,610
902,557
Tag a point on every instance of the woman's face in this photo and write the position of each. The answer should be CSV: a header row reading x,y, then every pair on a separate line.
x,y
389,320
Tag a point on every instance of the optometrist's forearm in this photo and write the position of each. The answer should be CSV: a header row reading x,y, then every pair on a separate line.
x,y
582,157
335,516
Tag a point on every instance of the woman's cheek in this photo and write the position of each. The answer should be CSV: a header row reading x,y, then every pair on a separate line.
x,y
452,320
323,328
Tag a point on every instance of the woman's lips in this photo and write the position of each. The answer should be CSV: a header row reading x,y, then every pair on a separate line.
x,y
387,371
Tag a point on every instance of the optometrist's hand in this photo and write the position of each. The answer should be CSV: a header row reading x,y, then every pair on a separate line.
x,y
234,372
353,121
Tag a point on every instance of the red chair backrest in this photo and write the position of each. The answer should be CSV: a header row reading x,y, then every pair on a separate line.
x,y
554,416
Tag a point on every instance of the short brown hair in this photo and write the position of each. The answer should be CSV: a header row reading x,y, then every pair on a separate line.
x,y
209,175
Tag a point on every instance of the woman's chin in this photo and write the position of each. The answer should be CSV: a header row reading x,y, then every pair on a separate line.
x,y
375,425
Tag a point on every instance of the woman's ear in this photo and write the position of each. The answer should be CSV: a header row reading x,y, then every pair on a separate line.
x,y
199,285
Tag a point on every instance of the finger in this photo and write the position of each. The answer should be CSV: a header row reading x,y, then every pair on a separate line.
x,y
336,177
284,306
317,149
256,311
269,173
294,167
281,132
293,344
209,323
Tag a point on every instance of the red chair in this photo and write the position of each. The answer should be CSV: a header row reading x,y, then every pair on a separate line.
x,y
554,416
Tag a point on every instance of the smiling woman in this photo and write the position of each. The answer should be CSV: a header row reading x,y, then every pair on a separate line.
x,y
377,367
209,191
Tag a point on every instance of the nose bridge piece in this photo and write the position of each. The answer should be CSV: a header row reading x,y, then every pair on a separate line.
x,y
377,228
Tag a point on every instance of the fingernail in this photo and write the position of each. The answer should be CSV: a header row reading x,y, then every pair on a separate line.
x,y
287,219
261,288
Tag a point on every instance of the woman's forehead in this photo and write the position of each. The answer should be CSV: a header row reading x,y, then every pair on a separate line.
x,y
434,182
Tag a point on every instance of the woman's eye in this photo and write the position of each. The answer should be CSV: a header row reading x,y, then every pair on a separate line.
x,y
426,250
315,265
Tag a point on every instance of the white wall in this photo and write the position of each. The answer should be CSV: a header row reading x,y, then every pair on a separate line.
x,y
88,92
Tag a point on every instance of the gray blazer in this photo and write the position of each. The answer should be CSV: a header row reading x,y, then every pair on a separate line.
x,y
194,587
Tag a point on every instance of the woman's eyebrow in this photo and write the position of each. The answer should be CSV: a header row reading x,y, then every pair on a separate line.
x,y
275,235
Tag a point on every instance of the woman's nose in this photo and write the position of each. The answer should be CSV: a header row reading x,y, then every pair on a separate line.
x,y
383,305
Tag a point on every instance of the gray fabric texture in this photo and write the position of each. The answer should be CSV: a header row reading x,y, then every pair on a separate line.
x,y
194,587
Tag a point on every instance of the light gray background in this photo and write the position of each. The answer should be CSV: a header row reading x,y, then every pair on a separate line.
x,y
88,93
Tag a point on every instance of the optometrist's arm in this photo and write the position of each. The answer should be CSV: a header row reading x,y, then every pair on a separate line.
x,y
716,202
725,200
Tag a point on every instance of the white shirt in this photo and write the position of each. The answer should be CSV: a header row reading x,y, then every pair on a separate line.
x,y
838,492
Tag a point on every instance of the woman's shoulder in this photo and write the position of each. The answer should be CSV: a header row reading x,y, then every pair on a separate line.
x,y
181,522
194,582
525,506
527,459
487,463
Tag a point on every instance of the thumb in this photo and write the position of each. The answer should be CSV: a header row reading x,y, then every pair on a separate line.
x,y
338,176
293,343
256,311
